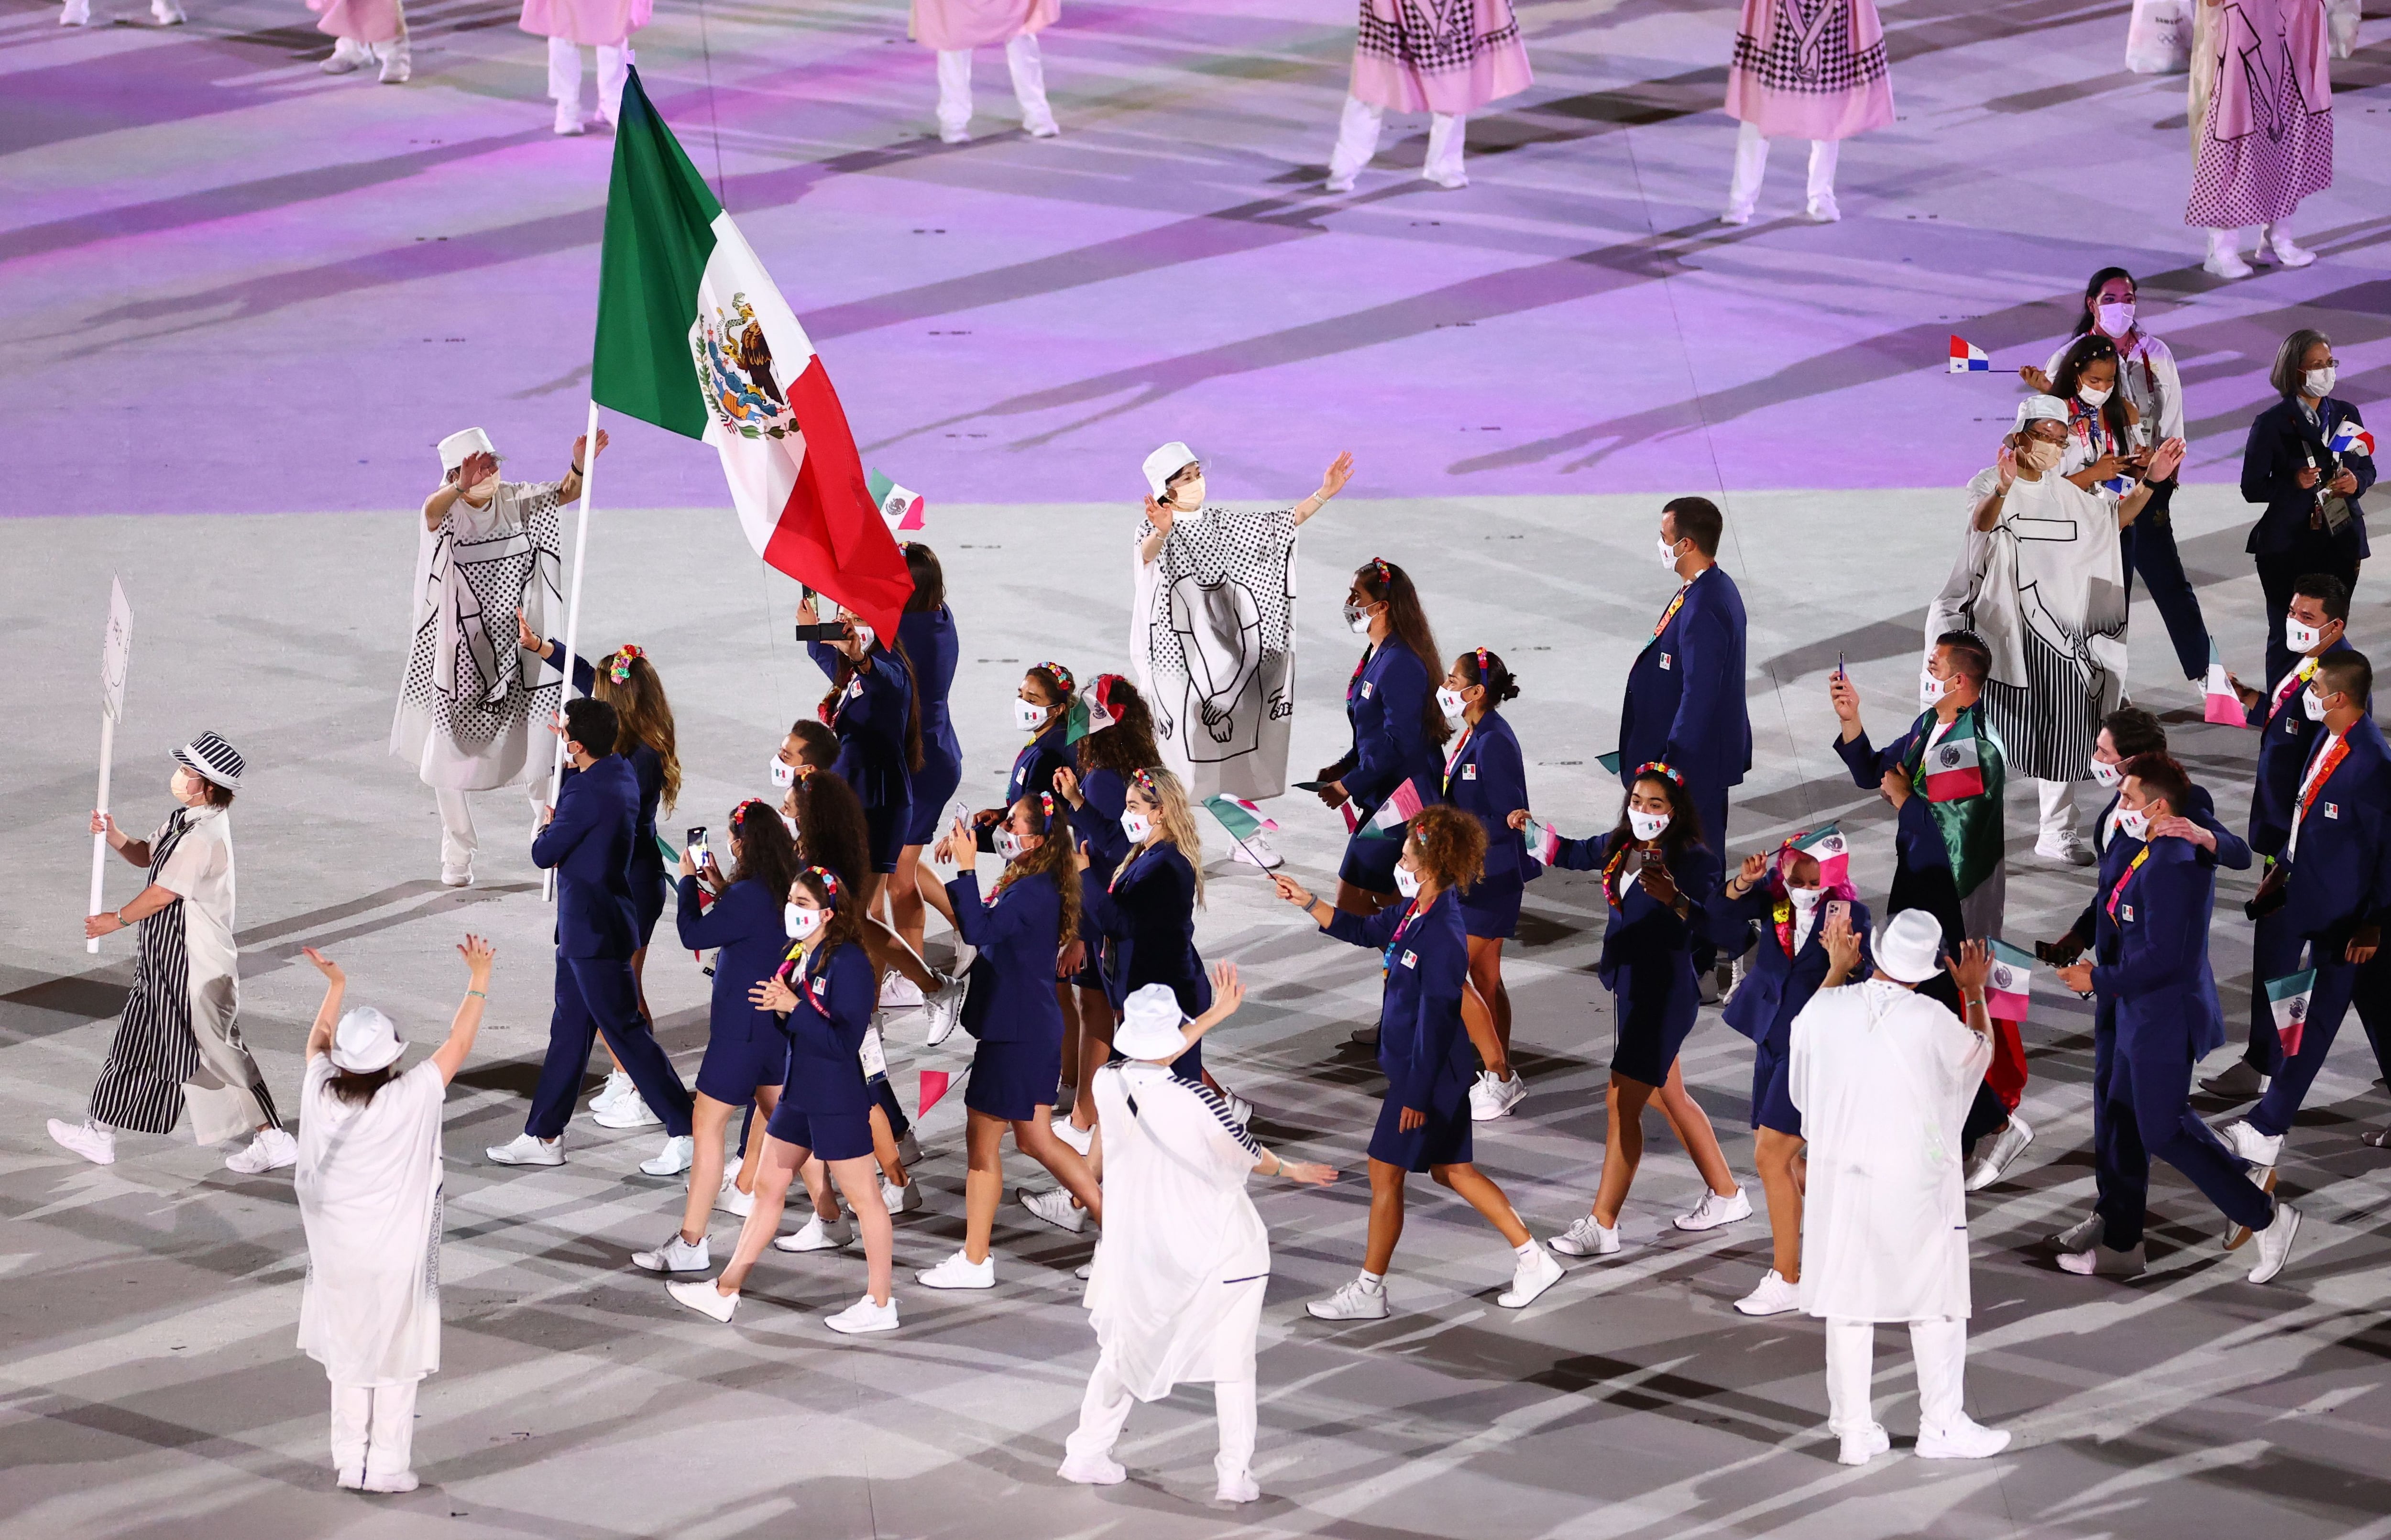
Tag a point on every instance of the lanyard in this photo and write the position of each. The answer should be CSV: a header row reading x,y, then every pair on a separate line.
x,y
1454,757
1386,957
1670,613
2131,867
2326,764
2297,676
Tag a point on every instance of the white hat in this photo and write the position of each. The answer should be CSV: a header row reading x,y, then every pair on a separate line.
x,y
1909,946
211,757
2040,409
1150,1023
1167,462
456,445
365,1041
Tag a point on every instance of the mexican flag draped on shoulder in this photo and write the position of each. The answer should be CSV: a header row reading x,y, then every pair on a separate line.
x,y
1962,777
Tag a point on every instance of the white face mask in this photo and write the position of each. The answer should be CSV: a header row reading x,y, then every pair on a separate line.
x,y
1136,825
2092,397
487,487
790,824
2116,319
864,635
2320,381
1188,496
1029,718
1406,881
2303,639
1357,619
1929,689
2313,704
1802,898
1449,701
1669,554
1645,825
2109,776
784,774
800,921
1008,844
2134,824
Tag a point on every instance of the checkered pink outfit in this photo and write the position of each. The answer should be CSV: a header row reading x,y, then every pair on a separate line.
x,y
1810,68
947,25
1437,56
589,24
2267,139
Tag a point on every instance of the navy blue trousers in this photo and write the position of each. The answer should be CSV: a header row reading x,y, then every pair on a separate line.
x,y
2149,550
594,996
2336,980
2142,1109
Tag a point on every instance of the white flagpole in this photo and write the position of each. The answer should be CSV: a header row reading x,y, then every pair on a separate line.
x,y
115,663
573,617
98,839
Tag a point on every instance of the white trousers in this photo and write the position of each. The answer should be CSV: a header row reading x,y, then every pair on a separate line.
x,y
1357,140
1939,1346
1104,1409
373,1429
564,75
2058,815
1751,165
458,840
1029,70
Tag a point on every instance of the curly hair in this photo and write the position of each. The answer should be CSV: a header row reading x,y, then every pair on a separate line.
x,y
1052,856
1129,743
831,829
1448,845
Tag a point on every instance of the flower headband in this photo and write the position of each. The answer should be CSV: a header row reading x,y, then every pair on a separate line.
x,y
829,885
1145,780
1046,805
1386,574
739,813
1667,772
1485,666
625,656
1061,675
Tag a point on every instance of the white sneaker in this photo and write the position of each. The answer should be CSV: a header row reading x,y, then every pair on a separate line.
x,y
899,992
1736,213
2275,1243
1491,1096
393,1481
908,1148
626,1112
1255,849
270,1150
1054,1206
1864,1445
862,1316
1338,183
347,55
1586,1238
1080,1139
525,1150
2276,245
1773,1296
960,1271
676,1256
818,1236
1356,1302
2259,1149
1714,1211
2067,850
617,1086
731,1201
95,1145
1239,1108
568,118
901,1200
677,1156
2238,1236
398,61
1451,181
1824,210
167,13
450,877
77,13
1531,1275
2006,1145
349,1480
1041,128
701,1296
1092,1470
2078,1237
944,1007
1239,1488
954,136
2223,260
1964,1440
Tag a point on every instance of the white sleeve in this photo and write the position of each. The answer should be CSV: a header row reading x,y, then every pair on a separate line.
x,y
198,857
2170,386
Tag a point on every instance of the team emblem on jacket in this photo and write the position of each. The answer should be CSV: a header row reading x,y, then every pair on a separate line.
x,y
734,373
1411,958
1470,773
1664,660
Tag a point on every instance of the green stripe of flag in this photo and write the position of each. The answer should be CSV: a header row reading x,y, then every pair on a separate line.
x,y
659,232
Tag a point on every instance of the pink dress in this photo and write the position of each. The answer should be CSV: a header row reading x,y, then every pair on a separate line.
x,y
2267,139
947,25
359,21
591,23
1810,68
1437,56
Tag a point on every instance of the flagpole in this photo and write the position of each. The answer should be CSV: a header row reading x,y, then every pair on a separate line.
x,y
573,619
100,837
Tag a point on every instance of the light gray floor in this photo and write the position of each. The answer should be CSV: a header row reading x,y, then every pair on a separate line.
x,y
145,1329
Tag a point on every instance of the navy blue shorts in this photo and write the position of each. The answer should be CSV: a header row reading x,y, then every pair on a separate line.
x,y
828,1135
1443,1140
1012,1080
1772,1102
885,829
934,787
1489,910
1370,858
735,1066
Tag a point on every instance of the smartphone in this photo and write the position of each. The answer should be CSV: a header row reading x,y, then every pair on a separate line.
x,y
698,854
983,839
828,631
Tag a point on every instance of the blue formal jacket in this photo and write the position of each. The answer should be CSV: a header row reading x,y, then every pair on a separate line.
x,y
1097,823
1146,922
1426,1054
1641,931
2282,755
2271,462
647,868
744,923
1034,767
1775,987
1685,703
1011,997
2341,876
930,644
870,721
1489,781
834,1004
588,844
2151,954
2231,853
1386,702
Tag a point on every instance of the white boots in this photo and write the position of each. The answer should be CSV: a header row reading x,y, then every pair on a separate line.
x,y
2275,245
1752,165
1357,140
1027,69
564,83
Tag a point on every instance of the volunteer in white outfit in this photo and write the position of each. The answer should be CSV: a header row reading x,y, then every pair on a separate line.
x,y
369,1187
366,31
955,27
572,25
1882,1076
1176,1292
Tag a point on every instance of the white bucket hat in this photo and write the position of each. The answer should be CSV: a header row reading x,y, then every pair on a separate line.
x,y
1165,463
456,445
1909,946
1150,1023
365,1041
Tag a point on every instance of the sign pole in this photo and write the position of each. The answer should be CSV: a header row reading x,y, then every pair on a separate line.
x,y
573,617
115,660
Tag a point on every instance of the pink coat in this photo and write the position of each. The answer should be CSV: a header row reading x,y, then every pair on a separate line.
x,y
947,25
359,21
599,24
1404,63
1810,68
2266,141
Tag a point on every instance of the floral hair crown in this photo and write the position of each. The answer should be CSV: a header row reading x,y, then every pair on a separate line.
x,y
1061,675
831,889
1146,779
1665,771
626,654
1386,574
739,813
1046,805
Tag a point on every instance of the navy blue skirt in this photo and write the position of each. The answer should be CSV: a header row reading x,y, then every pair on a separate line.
x,y
1772,1102
1489,910
735,1066
885,829
1443,1140
1012,1080
828,1135
1370,858
1654,1011
934,787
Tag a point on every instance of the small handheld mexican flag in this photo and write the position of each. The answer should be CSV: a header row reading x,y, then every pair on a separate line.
x,y
1543,840
2288,1000
1241,818
1609,762
1087,715
900,506
2006,985
1953,768
1831,850
2224,705
1400,807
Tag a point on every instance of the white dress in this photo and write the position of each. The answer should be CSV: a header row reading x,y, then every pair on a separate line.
x,y
1212,639
1883,1077
368,1188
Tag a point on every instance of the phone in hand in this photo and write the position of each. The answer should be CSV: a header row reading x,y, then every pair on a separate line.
x,y
983,839
698,854
828,631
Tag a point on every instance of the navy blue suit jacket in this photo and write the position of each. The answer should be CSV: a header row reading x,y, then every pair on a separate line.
x,y
1387,703
744,925
2282,755
2151,955
2271,462
1775,987
1422,1047
646,871
1685,703
1489,781
1097,823
1146,919
932,648
870,721
588,844
834,1004
1034,767
1640,930
2340,877
2231,853
1017,936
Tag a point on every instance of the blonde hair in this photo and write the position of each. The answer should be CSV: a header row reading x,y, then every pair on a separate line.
x,y
646,717
1175,818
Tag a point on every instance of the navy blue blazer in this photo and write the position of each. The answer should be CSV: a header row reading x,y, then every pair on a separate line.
x,y
1422,1047
2271,462
1489,781
870,721
1034,767
2283,757
932,648
646,871
2340,878
1641,929
1097,823
836,998
1684,702
743,922
2231,853
588,844
1775,986
1146,919
2151,954
1018,935
1386,702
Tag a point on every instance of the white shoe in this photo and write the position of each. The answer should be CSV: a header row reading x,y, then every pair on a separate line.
x,y
347,55
1363,1036
618,1085
1451,181
525,1150
627,1112
1773,1296
1530,1276
1239,1108
2006,1145
1255,849
1864,1445
1964,1440
862,1316
901,1200
944,1007
818,1236
2097,1260
77,13
1054,1206
960,1271
1714,1211
397,1481
167,13
568,120
676,1256
701,1296
1239,1488
2275,1243
908,1148
2276,245
1586,1238
955,135
1043,128
398,61
450,877
2067,850
270,1150
2078,1237
1736,213
1492,1098
95,1145
2223,260
899,992
1080,1139
349,1480
731,1201
677,1156
1092,1470
2238,1236
1356,1302
2259,1149
1338,183
1823,210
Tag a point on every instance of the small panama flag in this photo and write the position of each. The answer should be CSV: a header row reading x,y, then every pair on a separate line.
x,y
1087,715
1831,850
1966,358
2288,1000
2224,705
934,1085
1400,807
2006,984
2349,437
1952,770
1543,840
901,506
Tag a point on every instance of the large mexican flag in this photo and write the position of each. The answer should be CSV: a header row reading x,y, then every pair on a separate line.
x,y
693,337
